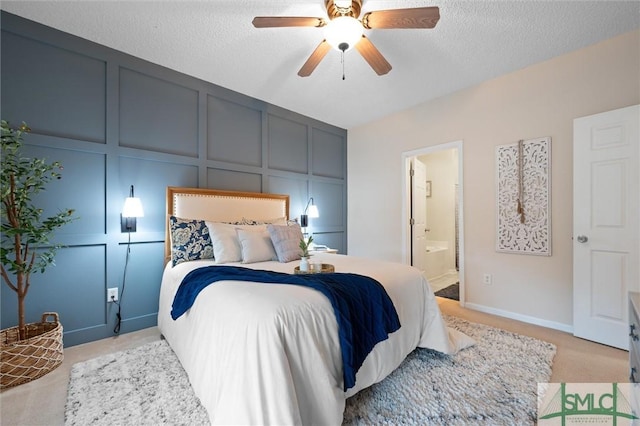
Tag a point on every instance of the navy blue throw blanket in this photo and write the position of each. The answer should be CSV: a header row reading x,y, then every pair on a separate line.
x,y
363,309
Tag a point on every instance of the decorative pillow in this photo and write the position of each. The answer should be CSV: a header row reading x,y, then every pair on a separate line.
x,y
286,241
276,221
224,238
256,245
226,246
190,240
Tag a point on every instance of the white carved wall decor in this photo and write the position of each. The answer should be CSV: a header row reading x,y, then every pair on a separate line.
x,y
523,172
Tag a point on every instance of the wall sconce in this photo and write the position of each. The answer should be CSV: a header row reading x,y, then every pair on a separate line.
x,y
311,210
132,209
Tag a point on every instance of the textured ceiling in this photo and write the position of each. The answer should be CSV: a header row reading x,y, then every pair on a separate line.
x,y
214,40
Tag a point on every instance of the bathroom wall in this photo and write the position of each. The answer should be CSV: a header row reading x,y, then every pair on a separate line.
x,y
442,172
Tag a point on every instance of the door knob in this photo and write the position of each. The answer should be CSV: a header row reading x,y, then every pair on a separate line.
x,y
582,238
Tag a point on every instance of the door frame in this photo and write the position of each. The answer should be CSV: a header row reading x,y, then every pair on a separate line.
x,y
406,204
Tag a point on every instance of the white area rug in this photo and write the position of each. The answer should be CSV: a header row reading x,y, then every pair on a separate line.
x,y
491,383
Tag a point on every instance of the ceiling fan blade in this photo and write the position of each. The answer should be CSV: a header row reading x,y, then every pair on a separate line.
x,y
373,56
314,59
287,21
419,17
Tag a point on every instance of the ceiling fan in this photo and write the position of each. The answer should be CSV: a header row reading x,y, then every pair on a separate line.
x,y
344,31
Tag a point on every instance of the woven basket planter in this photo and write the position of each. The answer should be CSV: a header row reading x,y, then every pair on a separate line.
x,y
31,358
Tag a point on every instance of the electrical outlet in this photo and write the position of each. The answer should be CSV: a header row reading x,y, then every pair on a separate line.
x,y
112,294
487,279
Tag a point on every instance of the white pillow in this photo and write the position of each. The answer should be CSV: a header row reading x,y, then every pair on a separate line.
x,y
226,247
256,245
224,238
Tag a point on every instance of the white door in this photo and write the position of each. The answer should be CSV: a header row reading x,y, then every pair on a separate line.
x,y
418,213
606,223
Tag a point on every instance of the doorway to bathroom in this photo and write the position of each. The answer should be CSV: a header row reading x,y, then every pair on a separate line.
x,y
434,216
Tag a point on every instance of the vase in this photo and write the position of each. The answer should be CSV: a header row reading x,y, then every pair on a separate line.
x,y
304,264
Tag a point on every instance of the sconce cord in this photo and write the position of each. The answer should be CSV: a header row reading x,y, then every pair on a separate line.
x,y
116,329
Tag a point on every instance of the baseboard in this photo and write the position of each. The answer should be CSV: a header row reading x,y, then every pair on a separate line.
x,y
102,331
519,317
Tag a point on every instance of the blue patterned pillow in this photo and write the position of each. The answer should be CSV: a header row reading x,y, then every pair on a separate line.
x,y
190,240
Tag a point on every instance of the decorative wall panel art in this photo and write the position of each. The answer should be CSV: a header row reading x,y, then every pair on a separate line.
x,y
523,197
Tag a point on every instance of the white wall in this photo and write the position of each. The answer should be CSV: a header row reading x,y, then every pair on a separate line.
x,y
541,100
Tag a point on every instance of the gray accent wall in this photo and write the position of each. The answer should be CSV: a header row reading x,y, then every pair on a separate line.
x,y
114,120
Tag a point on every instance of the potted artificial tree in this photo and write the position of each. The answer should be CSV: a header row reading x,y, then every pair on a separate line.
x,y
31,350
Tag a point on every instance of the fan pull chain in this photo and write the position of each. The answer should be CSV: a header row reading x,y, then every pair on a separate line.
x,y
343,48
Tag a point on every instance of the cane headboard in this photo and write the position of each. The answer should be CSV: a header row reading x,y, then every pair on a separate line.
x,y
221,206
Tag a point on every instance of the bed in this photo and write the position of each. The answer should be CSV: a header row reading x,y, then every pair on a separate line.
x,y
270,353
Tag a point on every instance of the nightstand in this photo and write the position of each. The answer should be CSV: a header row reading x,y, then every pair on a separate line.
x,y
328,250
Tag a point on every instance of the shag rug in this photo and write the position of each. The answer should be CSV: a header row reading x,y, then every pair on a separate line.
x,y
493,382
450,292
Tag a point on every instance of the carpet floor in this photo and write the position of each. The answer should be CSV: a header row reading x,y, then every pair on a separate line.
x,y
493,382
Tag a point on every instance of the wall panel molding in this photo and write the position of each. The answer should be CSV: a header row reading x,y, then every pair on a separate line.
x,y
115,120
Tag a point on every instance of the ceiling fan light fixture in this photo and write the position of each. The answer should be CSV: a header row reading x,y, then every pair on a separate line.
x,y
342,4
343,30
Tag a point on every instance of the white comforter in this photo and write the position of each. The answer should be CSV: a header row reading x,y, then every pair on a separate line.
x,y
270,354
